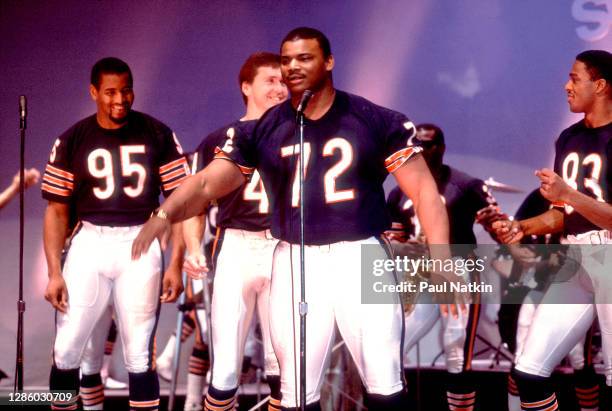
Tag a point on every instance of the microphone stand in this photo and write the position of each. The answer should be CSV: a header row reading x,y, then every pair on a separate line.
x,y
18,384
303,305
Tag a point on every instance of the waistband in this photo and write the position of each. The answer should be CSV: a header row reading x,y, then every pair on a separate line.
x,y
264,234
590,237
108,231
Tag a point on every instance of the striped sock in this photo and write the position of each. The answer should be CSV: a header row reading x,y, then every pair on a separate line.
x,y
460,391
274,404
461,401
536,392
110,339
144,391
218,400
588,398
65,380
587,388
547,404
199,361
514,401
92,392
275,394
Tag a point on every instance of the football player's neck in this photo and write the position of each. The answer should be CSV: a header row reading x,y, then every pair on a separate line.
x,y
600,114
253,112
320,102
108,123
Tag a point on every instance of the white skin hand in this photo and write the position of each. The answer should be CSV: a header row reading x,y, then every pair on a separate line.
x,y
196,266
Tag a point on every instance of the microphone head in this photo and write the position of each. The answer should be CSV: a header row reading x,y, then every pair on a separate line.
x,y
23,106
306,95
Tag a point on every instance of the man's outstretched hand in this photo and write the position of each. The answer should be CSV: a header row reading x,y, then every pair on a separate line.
x,y
154,228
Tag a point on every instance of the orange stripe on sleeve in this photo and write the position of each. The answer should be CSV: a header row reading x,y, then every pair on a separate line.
x,y
172,164
244,170
397,159
63,183
55,190
171,175
59,172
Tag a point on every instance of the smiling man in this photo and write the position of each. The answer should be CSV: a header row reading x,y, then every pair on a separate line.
x,y
580,188
351,145
243,253
110,167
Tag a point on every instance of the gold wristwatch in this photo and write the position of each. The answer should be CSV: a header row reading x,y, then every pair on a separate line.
x,y
158,212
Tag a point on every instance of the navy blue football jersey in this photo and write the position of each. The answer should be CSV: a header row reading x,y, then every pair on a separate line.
x,y
348,154
582,160
114,177
246,208
463,196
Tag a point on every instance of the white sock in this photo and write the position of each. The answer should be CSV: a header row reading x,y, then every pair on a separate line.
x,y
105,370
195,388
168,353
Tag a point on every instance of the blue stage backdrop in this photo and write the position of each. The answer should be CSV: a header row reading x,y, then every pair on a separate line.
x,y
489,72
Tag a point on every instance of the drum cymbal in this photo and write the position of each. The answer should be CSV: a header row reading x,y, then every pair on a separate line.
x,y
501,187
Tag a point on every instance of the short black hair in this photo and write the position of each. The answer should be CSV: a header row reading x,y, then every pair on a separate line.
x,y
249,68
598,64
109,65
438,137
305,33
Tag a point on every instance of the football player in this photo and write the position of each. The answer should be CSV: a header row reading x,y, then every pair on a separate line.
x,y
467,199
351,145
580,189
112,167
243,246
528,274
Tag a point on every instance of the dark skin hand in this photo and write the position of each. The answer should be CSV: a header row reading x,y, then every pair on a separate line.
x,y
57,293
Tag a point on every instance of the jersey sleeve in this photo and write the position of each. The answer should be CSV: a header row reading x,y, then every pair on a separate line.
x,y
58,179
173,168
399,141
205,153
239,147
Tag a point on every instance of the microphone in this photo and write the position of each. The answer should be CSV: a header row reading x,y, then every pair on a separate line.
x,y
306,96
23,112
